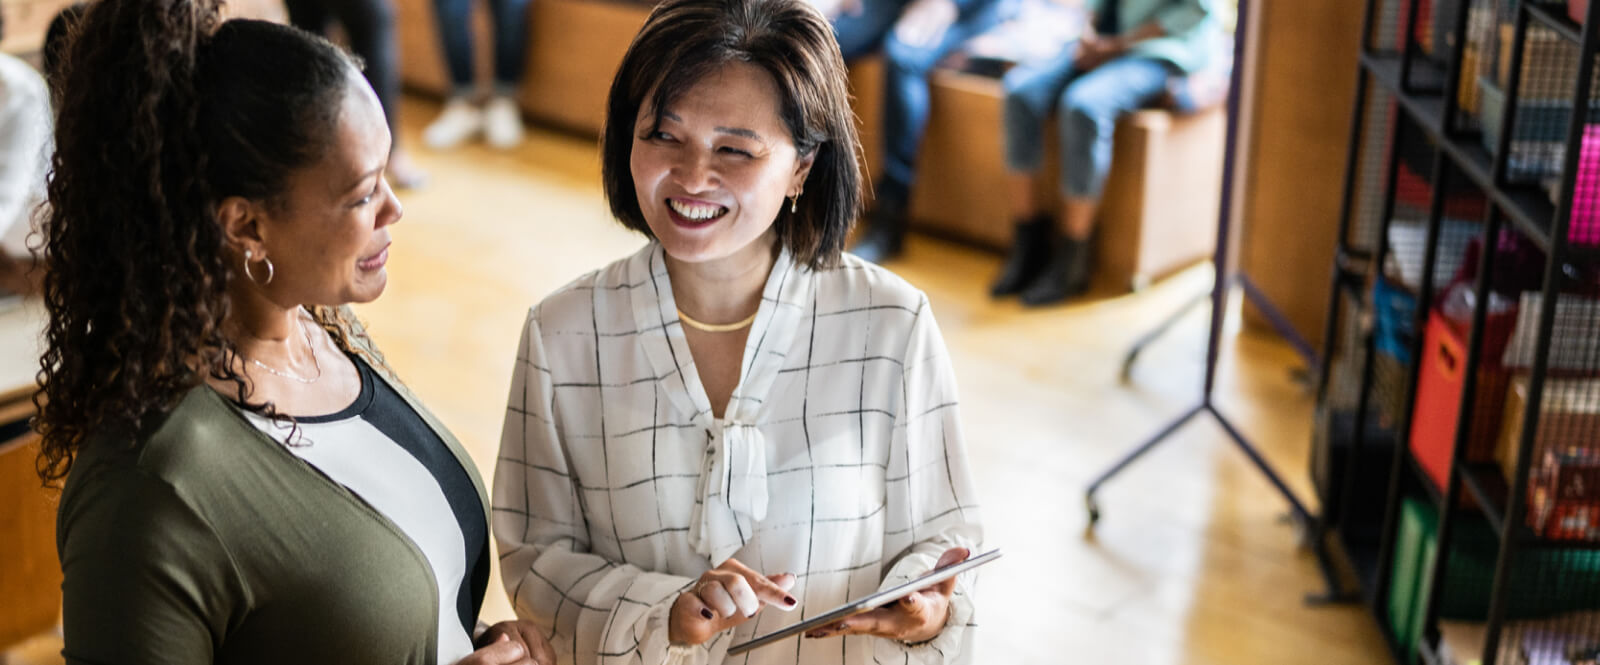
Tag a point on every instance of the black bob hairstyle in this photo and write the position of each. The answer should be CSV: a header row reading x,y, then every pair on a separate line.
x,y
685,40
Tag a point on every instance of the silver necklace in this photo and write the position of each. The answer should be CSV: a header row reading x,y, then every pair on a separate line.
x,y
291,375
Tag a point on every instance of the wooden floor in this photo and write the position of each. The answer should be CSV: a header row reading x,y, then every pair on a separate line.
x,y
1190,563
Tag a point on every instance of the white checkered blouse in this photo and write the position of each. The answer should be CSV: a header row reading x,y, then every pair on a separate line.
x,y
839,459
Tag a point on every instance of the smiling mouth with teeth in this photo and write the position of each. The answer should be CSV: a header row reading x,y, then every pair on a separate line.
x,y
696,212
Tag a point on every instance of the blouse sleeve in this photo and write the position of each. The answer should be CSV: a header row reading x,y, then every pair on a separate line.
x,y
146,579
594,610
932,504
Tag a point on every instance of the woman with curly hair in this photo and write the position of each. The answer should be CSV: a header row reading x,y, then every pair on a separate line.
x,y
249,481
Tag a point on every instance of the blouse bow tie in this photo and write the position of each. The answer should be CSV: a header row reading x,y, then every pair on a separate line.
x,y
732,493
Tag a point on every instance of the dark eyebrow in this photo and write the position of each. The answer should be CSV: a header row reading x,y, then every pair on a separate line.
x,y
735,131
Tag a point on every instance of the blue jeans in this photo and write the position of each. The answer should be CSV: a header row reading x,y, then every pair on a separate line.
x,y
1087,106
510,18
369,25
905,108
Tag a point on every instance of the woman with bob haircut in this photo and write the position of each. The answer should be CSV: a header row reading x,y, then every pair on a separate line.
x,y
249,482
738,416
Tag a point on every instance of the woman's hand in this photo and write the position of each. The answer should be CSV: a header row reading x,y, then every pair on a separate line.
x,y
915,618
725,596
511,643
1095,50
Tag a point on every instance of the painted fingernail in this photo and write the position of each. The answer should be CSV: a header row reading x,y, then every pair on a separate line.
x,y
707,613
789,600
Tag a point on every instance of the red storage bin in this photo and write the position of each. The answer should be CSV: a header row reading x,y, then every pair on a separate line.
x,y
1437,407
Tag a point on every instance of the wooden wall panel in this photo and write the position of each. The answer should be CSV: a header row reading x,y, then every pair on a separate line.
x,y
1304,68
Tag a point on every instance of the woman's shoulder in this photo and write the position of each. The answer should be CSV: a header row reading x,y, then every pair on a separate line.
x,y
197,449
598,293
192,452
854,283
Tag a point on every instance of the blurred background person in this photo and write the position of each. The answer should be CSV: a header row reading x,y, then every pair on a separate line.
x,y
914,37
369,26
498,120
25,127
1128,57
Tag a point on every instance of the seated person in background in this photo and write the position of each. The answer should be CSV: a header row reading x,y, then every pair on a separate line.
x,y
500,119
24,159
249,482
370,27
739,416
914,37
1125,60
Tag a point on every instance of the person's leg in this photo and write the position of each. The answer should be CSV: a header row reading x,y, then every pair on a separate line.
x,y
1031,90
461,119
370,26
1087,116
502,115
454,19
862,33
510,43
905,117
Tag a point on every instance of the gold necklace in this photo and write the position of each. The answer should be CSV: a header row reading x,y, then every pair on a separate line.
x,y
715,327
291,375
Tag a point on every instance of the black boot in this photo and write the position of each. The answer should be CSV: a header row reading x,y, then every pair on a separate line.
x,y
883,238
1066,276
886,224
1030,251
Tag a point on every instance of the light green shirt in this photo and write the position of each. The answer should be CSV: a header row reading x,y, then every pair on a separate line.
x,y
1193,32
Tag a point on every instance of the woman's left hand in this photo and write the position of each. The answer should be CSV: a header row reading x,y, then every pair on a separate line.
x,y
536,650
915,618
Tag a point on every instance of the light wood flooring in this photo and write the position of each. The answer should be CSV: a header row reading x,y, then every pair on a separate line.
x,y
1190,564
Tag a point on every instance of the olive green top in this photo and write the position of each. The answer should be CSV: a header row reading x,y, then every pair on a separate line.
x,y
208,542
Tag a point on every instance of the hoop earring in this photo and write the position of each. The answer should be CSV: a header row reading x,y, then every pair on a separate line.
x,y
270,271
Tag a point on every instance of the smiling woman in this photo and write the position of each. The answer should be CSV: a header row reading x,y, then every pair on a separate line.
x,y
244,466
740,416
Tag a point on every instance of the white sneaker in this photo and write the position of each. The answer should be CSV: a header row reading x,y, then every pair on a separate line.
x,y
502,121
460,121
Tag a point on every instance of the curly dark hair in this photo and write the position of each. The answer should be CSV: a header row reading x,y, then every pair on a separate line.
x,y
165,111
685,40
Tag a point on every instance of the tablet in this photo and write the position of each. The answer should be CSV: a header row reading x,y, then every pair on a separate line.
x,y
875,600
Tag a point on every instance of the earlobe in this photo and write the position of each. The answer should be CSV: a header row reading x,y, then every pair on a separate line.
x,y
238,217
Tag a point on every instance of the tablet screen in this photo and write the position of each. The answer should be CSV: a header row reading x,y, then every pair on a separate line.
x,y
875,600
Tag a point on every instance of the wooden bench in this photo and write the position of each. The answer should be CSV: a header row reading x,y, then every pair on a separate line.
x,y
1159,213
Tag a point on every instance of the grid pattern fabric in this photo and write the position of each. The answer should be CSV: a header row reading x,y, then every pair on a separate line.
x,y
616,487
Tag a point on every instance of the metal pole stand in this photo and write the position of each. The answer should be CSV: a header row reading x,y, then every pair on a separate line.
x,y
1220,288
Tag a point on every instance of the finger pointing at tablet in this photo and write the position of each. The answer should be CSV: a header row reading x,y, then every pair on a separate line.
x,y
726,596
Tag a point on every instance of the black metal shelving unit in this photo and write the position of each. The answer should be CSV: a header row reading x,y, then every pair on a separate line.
x,y
1432,155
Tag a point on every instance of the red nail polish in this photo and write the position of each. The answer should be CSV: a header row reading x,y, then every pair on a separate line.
x,y
707,613
789,600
